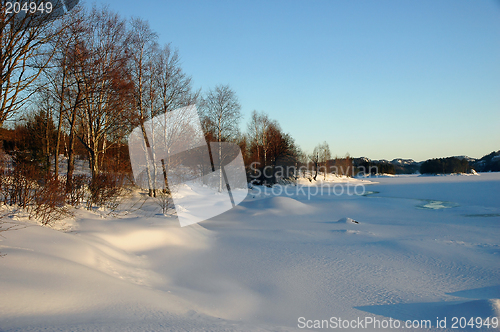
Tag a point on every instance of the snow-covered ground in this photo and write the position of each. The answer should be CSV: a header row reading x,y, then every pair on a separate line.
x,y
410,248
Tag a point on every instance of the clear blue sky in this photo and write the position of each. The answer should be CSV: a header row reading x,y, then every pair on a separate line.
x,y
382,79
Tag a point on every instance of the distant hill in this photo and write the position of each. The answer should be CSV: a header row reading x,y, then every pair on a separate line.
x,y
463,164
488,163
403,162
395,166
406,166
469,159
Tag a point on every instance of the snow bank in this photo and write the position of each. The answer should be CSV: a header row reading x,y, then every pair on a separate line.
x,y
278,206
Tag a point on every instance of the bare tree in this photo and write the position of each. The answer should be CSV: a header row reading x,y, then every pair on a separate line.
x,y
257,131
343,166
270,146
222,110
314,157
173,90
142,50
320,156
160,86
106,84
174,86
60,77
302,161
74,100
281,149
23,56
324,157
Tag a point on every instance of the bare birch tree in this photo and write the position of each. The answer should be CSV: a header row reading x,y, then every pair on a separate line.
x,y
222,108
173,91
160,86
142,50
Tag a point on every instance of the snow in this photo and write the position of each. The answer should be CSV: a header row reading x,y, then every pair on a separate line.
x,y
81,166
409,248
403,162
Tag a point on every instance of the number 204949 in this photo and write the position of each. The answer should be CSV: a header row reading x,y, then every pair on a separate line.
x,y
477,322
28,7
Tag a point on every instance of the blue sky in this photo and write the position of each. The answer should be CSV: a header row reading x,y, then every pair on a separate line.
x,y
381,79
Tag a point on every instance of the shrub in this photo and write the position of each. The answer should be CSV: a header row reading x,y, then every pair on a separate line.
x,y
49,201
105,190
164,199
76,189
42,197
20,183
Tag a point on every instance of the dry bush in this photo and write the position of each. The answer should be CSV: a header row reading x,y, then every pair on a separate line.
x,y
164,200
76,189
49,202
20,183
43,198
105,190
3,181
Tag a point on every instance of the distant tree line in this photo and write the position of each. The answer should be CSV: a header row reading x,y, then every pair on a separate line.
x,y
268,150
375,167
445,166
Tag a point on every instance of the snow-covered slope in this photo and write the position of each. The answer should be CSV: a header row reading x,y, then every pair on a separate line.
x,y
410,248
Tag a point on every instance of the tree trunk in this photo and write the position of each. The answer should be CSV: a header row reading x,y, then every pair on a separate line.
x,y
61,106
71,161
71,143
94,163
47,142
220,162
166,190
58,144
103,152
149,159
